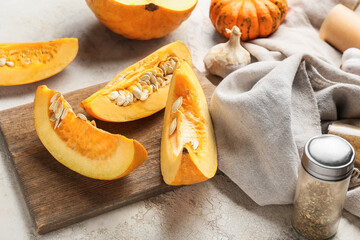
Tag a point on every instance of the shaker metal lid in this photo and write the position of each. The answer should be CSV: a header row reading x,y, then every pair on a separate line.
x,y
328,157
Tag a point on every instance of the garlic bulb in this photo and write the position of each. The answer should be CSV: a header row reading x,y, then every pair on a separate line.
x,y
351,61
224,58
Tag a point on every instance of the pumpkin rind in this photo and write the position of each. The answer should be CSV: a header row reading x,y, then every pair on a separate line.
x,y
99,106
255,18
82,147
141,20
182,161
36,61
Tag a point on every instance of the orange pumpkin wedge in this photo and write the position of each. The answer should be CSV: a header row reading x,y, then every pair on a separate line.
x,y
142,19
22,63
78,144
188,147
131,95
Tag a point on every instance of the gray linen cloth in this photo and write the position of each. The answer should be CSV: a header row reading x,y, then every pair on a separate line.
x,y
264,113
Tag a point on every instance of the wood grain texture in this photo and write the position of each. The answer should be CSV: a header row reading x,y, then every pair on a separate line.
x,y
56,196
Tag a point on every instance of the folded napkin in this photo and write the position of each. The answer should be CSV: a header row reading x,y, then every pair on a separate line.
x,y
273,107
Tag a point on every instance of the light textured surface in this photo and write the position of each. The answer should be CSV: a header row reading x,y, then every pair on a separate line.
x,y
216,209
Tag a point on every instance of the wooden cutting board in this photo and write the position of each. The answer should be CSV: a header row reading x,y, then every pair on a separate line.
x,y
56,196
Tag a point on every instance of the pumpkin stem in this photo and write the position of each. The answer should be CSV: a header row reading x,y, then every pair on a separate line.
x,y
234,36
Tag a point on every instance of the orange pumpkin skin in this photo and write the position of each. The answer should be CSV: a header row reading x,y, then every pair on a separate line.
x,y
255,18
141,20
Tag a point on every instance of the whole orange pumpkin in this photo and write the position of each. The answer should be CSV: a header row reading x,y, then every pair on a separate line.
x,y
255,18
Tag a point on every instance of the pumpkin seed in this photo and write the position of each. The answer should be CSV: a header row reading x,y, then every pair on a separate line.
x,y
170,69
59,110
10,63
56,95
143,83
194,143
64,113
147,74
138,85
144,96
172,126
81,116
130,97
145,77
159,80
120,100
154,72
2,62
136,92
57,123
113,95
127,102
161,72
164,68
153,79
155,86
52,118
148,89
122,93
93,123
176,105
56,103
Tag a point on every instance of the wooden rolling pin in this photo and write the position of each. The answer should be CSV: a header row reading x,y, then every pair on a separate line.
x,y
341,28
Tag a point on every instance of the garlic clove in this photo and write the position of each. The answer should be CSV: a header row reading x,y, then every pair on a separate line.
x,y
224,58
352,66
351,61
350,53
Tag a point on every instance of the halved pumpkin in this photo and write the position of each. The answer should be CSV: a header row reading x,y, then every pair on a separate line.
x,y
127,97
78,144
142,19
188,147
30,62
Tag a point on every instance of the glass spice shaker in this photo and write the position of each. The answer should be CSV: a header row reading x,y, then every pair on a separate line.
x,y
324,175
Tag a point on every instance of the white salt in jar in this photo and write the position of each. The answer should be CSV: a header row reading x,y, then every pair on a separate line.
x,y
324,176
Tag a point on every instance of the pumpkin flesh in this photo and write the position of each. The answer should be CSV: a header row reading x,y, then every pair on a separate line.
x,y
255,18
35,61
142,19
189,154
101,107
82,147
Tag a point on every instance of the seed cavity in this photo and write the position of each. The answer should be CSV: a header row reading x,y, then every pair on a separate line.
x,y
172,126
149,82
177,104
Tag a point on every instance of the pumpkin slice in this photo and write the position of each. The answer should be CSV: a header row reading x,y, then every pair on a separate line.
x,y
140,90
78,144
142,19
22,63
188,147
